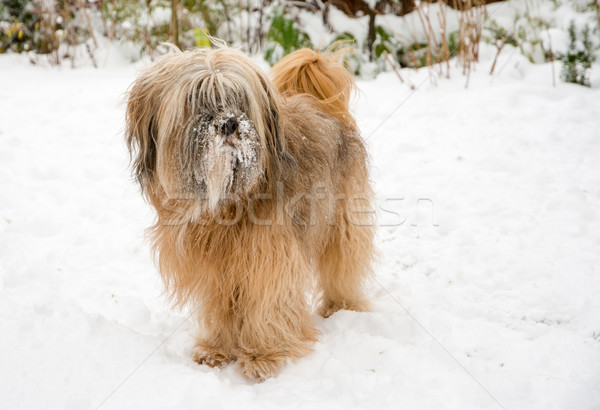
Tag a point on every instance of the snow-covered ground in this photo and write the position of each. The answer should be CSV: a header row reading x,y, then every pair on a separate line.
x,y
490,301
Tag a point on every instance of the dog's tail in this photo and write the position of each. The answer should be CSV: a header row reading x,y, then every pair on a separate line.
x,y
321,75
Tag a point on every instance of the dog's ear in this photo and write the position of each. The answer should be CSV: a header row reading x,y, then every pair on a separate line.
x,y
281,163
141,128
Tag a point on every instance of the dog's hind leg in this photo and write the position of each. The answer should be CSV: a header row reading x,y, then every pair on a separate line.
x,y
347,258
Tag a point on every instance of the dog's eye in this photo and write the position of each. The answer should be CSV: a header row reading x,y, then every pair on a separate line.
x,y
206,118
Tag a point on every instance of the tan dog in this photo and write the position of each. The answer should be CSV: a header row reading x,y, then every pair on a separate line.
x,y
260,193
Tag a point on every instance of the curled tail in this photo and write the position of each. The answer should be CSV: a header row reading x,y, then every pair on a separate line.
x,y
321,75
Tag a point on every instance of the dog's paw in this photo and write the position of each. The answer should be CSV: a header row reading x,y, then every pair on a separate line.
x,y
211,357
328,308
259,368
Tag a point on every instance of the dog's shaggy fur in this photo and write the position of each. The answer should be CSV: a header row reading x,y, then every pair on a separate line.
x,y
260,193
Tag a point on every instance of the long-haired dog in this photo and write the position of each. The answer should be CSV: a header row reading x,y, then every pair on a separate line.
x,y
262,195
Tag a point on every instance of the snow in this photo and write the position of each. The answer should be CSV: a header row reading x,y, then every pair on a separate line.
x,y
487,288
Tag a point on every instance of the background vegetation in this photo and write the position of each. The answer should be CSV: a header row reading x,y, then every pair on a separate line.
x,y
66,30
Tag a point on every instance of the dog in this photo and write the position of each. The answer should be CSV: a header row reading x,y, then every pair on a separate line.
x,y
262,194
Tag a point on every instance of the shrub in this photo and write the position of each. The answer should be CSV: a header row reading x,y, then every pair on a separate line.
x,y
578,59
18,23
283,37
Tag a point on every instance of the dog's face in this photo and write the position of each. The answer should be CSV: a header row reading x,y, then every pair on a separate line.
x,y
219,155
204,127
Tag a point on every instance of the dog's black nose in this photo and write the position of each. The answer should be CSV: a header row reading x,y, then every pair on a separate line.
x,y
229,127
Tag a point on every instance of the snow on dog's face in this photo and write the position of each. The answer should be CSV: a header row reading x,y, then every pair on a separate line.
x,y
204,125
220,156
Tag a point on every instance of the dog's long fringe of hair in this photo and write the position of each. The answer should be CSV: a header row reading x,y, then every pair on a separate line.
x,y
321,75
163,97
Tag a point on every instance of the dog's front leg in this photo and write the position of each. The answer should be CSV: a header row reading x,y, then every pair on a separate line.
x,y
213,351
274,317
